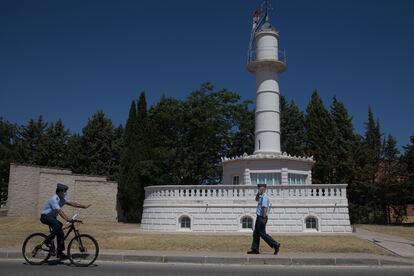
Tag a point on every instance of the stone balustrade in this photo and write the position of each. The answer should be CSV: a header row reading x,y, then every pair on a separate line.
x,y
328,191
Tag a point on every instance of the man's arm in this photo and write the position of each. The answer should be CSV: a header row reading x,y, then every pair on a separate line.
x,y
77,205
63,215
264,215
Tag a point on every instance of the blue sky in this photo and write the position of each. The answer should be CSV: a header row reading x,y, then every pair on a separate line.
x,y
68,59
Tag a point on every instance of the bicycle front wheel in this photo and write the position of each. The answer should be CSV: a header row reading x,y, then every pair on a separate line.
x,y
34,249
83,250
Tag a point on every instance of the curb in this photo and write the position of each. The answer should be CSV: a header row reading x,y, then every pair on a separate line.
x,y
285,261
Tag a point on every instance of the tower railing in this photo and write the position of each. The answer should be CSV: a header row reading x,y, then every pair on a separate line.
x,y
280,56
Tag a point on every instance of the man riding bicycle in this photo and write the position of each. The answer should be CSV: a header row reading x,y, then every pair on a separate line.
x,y
49,217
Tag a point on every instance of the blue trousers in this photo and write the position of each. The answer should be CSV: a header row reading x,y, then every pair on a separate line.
x,y
260,232
56,227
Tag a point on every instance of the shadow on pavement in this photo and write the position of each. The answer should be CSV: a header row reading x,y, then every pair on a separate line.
x,y
60,262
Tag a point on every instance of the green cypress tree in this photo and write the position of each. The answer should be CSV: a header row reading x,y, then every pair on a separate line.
x,y
320,137
142,165
125,184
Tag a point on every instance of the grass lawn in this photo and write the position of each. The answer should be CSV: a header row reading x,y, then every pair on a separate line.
x,y
127,236
406,232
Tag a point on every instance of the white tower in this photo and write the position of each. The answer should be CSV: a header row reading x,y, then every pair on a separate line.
x,y
266,62
268,164
307,207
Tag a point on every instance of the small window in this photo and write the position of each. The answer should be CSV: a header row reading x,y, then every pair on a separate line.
x,y
185,222
236,180
259,144
247,223
311,223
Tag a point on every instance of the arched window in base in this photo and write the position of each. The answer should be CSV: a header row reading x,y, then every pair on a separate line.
x,y
247,222
311,223
185,222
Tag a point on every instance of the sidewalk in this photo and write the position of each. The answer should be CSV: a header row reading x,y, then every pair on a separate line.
x,y
340,259
396,245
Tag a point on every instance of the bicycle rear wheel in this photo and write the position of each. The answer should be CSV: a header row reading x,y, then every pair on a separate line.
x,y
34,249
83,250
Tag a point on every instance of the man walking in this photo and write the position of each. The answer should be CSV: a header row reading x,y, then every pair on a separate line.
x,y
261,220
49,217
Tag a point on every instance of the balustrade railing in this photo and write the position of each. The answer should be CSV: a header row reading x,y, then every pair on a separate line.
x,y
279,55
243,191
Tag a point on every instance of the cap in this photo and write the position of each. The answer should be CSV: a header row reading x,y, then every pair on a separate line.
x,y
261,185
62,187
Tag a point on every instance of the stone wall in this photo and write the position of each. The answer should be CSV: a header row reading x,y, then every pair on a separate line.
x,y
282,219
30,187
221,208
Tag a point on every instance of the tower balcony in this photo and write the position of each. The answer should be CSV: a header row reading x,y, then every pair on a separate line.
x,y
276,59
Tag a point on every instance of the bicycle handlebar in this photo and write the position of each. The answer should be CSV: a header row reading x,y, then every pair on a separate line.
x,y
74,220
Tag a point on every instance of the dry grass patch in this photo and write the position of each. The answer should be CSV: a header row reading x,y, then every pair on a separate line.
x,y
406,232
126,236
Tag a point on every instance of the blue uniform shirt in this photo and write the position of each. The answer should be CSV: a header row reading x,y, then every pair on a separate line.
x,y
263,202
53,204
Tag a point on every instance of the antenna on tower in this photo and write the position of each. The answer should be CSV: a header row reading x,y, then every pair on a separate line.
x,y
266,8
260,16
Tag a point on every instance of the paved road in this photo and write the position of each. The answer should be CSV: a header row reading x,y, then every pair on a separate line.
x,y
17,268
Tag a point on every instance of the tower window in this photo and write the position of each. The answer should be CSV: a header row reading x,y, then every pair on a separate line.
x,y
265,178
297,178
247,222
259,144
236,180
185,222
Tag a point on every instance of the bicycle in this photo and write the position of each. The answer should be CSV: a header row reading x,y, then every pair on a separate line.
x,y
82,250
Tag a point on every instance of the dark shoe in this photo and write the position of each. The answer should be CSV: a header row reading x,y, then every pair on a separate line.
x,y
277,249
253,252
61,256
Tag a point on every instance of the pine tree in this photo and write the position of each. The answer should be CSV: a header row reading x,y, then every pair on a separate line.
x,y
241,140
389,186
30,142
117,148
74,159
96,153
7,155
292,126
320,138
374,145
55,145
343,143
407,161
